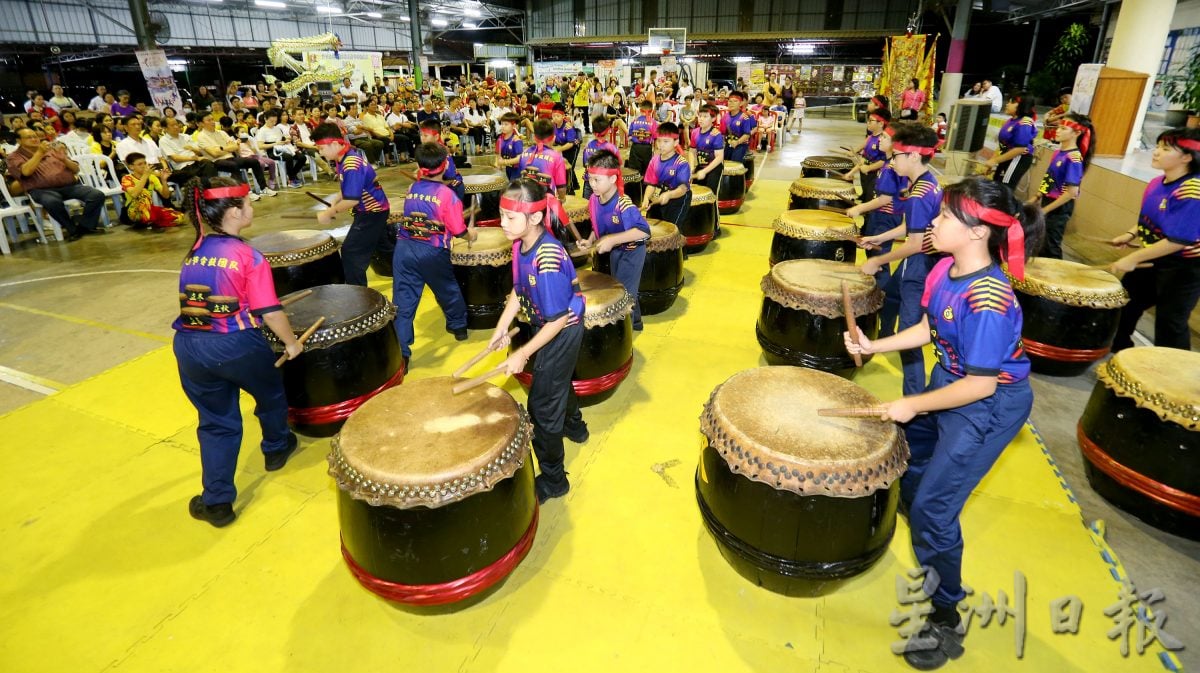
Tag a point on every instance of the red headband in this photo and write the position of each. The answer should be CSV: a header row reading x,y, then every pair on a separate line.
x,y
877,101
1085,134
1015,254
889,130
234,192
734,96
923,151
1188,144
439,169
878,118
613,172
330,141
551,202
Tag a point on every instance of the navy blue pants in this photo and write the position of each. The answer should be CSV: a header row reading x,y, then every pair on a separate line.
x,y
1056,226
674,211
736,153
878,223
952,450
912,274
553,407
213,369
415,265
626,266
367,233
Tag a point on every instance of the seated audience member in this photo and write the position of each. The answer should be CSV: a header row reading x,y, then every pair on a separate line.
x,y
223,151
142,181
183,156
48,176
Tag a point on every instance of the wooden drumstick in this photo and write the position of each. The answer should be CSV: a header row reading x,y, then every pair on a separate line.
x,y
475,204
320,200
478,380
852,412
481,355
298,216
1104,267
832,209
303,337
1108,241
851,327
295,298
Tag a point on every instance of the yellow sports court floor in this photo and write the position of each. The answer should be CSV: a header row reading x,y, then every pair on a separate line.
x,y
103,569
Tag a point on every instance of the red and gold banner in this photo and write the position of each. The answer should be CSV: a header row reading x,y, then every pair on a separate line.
x,y
905,58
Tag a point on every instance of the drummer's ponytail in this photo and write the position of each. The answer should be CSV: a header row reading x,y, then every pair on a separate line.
x,y
210,212
528,190
958,198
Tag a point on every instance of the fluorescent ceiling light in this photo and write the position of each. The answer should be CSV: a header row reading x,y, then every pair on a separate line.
x,y
500,63
440,23
472,12
469,25
375,15
741,59
328,10
802,48
270,3
406,18
176,61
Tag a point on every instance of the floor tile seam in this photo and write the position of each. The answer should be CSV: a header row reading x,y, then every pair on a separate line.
x,y
121,424
204,588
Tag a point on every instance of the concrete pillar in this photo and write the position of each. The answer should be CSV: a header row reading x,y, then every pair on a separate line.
x,y
952,77
1141,33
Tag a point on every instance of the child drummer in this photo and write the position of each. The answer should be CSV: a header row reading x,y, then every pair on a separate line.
x,y
617,226
668,193
979,395
602,129
361,193
545,286
542,163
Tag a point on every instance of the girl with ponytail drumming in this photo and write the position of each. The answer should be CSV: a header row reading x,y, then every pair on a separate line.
x,y
542,163
979,394
225,294
545,286
1060,186
1015,155
1169,228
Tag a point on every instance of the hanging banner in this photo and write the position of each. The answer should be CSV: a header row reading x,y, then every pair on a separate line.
x,y
1085,87
905,59
560,69
160,80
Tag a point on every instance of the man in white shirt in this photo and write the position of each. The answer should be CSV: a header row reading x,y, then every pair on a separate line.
x,y
349,93
992,93
221,149
183,155
97,104
60,102
136,142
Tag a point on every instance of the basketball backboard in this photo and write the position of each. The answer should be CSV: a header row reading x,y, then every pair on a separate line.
x,y
667,41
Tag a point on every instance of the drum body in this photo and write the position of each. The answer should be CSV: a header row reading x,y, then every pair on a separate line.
x,y
300,259
732,192
633,185
381,259
1071,314
662,272
802,319
352,357
748,164
791,508
581,216
443,510
606,353
813,234
701,220
825,166
484,190
484,274
1139,436
813,193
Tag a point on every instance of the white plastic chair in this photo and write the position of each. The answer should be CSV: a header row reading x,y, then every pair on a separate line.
x,y
97,171
34,221
10,210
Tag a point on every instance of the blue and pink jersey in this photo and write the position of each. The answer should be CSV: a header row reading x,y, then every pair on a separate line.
x,y
643,130
359,183
545,282
669,173
510,147
919,205
706,145
225,286
545,165
871,152
567,133
890,183
597,146
1172,211
1065,170
975,322
617,216
432,214
1018,133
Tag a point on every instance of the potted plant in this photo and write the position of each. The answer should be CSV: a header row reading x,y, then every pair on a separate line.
x,y
1183,88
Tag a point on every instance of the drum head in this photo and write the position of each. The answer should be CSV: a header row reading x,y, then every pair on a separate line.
x,y
419,444
577,208
295,247
491,248
663,236
823,188
734,168
1071,283
349,311
484,182
605,299
629,175
816,225
1163,380
815,285
702,195
828,162
764,423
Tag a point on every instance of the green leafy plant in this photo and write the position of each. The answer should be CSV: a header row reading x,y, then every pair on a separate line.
x,y
1059,69
1183,88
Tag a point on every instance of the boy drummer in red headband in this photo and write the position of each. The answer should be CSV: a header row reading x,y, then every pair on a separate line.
x,y
872,156
545,286
738,126
1060,185
602,129
431,132
433,214
617,225
362,194
978,397
668,179
542,163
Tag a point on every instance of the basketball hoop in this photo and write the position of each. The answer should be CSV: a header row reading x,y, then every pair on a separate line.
x,y
666,51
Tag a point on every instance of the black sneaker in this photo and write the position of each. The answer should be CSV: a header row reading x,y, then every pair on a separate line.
x,y
547,489
277,459
460,334
218,515
406,365
74,235
934,645
578,436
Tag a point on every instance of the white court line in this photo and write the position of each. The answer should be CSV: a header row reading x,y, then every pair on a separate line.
x,y
86,273
26,381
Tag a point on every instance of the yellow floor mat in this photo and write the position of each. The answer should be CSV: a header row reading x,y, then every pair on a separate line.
x,y
103,570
